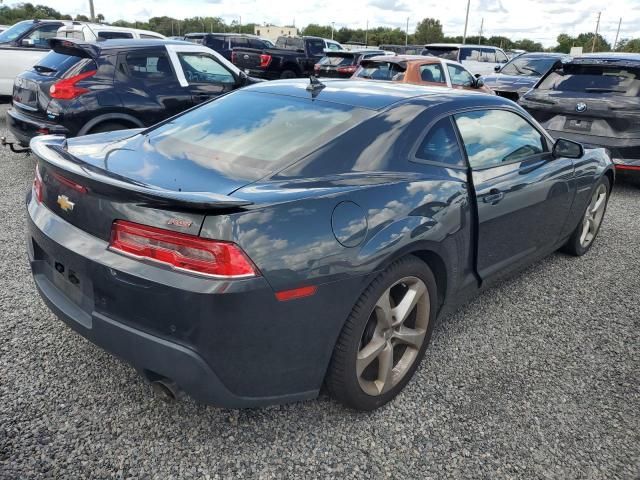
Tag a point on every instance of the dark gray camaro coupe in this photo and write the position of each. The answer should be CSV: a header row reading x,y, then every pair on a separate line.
x,y
287,236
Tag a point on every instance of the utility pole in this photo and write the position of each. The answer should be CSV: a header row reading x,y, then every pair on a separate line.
x,y
615,44
93,13
481,28
595,37
466,22
333,26
406,34
240,24
366,34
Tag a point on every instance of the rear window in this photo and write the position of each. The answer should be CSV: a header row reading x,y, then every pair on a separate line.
x,y
381,71
271,132
337,60
449,53
624,81
112,35
57,64
529,66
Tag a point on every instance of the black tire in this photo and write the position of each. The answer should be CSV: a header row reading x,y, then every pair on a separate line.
x,y
574,246
342,379
109,127
288,74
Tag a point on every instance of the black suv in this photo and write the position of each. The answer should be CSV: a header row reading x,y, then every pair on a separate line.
x,y
224,43
593,99
80,88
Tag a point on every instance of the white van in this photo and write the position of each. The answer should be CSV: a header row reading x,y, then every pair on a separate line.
x,y
91,32
478,59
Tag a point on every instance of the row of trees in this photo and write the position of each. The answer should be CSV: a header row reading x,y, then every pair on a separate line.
x,y
428,30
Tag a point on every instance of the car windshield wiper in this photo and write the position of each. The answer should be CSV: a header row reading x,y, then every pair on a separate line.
x,y
604,90
532,70
44,69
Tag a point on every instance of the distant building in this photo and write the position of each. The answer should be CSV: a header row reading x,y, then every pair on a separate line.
x,y
272,32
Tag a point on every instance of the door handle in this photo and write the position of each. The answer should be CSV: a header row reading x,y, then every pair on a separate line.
x,y
493,197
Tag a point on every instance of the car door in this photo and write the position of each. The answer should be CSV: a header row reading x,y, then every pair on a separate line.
x,y
207,76
523,193
148,85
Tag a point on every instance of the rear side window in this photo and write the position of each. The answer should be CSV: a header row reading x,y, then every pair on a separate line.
x,y
57,64
152,66
381,71
449,53
432,73
112,35
488,55
316,47
272,132
240,42
215,43
603,79
495,137
146,35
441,145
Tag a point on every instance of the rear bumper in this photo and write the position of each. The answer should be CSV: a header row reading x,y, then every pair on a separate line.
x,y
194,350
24,127
260,73
623,151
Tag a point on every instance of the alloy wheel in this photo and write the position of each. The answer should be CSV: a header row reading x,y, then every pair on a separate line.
x,y
393,336
593,216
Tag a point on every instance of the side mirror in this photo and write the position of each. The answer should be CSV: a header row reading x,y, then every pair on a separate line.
x,y
479,83
27,42
496,68
567,149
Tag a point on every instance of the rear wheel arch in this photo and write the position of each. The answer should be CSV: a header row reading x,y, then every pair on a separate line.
x,y
120,118
611,176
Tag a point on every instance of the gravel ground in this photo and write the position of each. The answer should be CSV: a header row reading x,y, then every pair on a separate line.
x,y
537,378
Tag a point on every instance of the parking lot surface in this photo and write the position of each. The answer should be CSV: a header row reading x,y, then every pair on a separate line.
x,y
536,378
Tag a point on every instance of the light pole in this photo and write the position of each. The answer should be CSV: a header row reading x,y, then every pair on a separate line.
x,y
466,22
615,43
240,24
93,14
333,26
406,34
595,37
366,34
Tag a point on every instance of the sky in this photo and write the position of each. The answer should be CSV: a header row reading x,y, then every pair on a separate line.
x,y
539,20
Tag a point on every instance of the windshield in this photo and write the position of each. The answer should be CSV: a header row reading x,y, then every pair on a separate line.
x,y
12,33
449,53
527,66
271,132
624,81
381,71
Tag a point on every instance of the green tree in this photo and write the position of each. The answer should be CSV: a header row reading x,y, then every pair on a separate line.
x,y
428,30
628,45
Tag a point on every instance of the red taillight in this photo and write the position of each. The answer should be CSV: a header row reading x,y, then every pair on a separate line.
x,y
316,67
66,89
620,166
181,251
69,183
350,69
234,57
301,292
265,60
37,185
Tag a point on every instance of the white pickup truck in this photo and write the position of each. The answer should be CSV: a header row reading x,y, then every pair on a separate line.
x,y
26,42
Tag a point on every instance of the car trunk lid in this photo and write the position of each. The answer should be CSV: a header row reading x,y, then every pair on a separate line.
x,y
93,182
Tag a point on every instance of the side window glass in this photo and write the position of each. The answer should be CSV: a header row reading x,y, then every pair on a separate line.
x,y
202,68
459,76
488,55
39,38
501,57
239,42
469,53
112,35
432,73
495,137
150,67
441,145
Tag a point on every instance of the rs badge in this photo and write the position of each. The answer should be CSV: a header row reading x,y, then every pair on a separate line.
x,y
65,204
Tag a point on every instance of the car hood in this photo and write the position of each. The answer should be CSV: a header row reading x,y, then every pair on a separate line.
x,y
509,82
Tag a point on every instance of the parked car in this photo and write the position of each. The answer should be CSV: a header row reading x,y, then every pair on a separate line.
x,y
420,70
402,49
26,42
81,88
343,63
519,75
594,99
92,32
478,59
224,43
289,235
513,53
292,57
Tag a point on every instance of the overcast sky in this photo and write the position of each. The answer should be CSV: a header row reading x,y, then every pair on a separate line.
x,y
540,20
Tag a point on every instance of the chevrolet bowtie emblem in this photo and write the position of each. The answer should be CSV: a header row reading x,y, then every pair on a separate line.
x,y
65,204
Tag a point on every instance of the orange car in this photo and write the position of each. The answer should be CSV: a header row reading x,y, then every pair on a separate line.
x,y
420,70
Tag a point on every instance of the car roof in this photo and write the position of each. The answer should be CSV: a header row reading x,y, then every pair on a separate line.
x,y
543,54
369,94
125,43
615,56
405,58
460,45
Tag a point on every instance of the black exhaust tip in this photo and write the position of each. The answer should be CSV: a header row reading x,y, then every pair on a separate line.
x,y
167,391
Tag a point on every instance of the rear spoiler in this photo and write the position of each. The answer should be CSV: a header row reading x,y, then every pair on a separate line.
x,y
68,46
52,149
